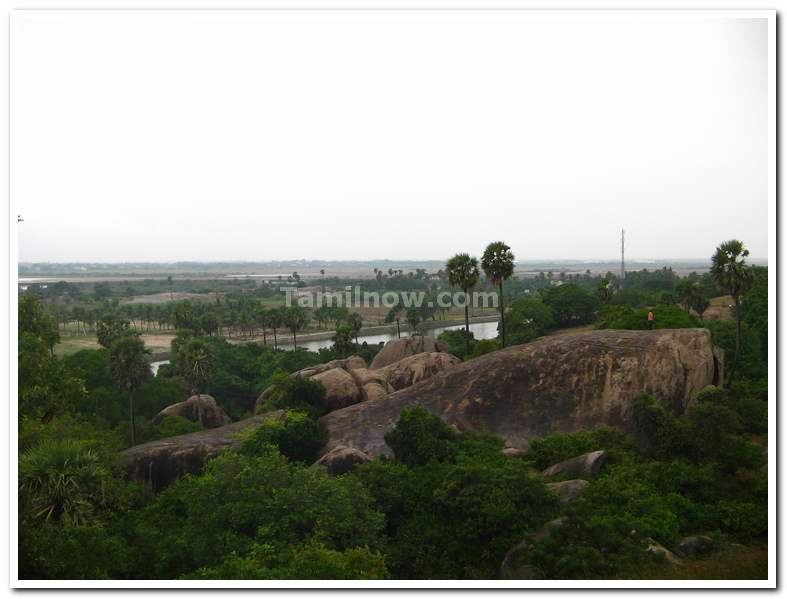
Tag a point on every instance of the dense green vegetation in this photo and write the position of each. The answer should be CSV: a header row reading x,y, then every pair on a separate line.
x,y
446,504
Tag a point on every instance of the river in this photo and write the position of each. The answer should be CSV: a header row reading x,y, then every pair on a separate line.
x,y
480,330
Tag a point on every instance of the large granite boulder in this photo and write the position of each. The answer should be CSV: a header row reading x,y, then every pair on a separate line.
x,y
401,348
160,463
349,381
342,459
212,414
340,388
414,369
586,465
695,546
555,384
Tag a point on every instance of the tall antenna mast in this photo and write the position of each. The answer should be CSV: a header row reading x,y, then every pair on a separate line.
x,y
622,255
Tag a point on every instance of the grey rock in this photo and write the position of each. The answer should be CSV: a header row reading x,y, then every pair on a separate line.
x,y
342,459
585,465
654,548
160,463
695,546
555,384
212,414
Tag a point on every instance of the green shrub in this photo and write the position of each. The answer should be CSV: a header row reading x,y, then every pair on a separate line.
x,y
241,502
172,426
297,436
296,393
456,520
312,562
419,437
455,339
526,319
485,346
545,451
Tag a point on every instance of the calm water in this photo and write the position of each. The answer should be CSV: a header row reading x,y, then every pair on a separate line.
x,y
481,330
155,365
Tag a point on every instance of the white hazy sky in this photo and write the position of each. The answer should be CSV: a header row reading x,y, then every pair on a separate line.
x,y
179,135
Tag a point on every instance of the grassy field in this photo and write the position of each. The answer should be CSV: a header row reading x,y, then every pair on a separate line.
x,y
155,342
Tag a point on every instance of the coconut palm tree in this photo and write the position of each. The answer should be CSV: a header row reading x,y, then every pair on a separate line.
x,y
733,275
130,367
196,363
463,273
498,265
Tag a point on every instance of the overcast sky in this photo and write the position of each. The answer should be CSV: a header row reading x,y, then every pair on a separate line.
x,y
177,135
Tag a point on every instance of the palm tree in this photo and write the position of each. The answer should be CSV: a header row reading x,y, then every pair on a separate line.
x,y
130,366
275,320
322,279
604,290
498,265
413,316
262,317
733,275
295,318
196,363
355,321
463,273
61,479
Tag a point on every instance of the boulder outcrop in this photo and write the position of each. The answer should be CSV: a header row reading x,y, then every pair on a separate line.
x,y
695,546
160,463
340,388
349,381
416,368
586,465
342,459
212,414
402,348
554,384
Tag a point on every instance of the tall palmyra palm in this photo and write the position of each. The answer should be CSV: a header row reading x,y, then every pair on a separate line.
x,y
129,366
498,265
733,275
463,273
197,364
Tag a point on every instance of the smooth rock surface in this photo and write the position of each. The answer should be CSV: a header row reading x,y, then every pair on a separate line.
x,y
654,548
414,369
212,414
555,384
342,459
512,567
694,546
160,463
585,465
340,388
398,349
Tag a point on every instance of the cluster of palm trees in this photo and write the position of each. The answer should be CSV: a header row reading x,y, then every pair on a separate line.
x,y
497,263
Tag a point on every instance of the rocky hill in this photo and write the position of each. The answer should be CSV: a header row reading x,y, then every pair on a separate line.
x,y
555,384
